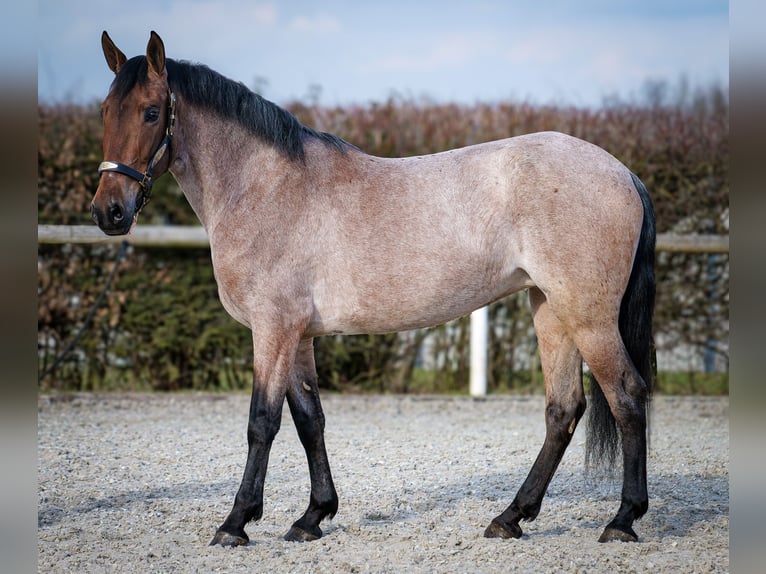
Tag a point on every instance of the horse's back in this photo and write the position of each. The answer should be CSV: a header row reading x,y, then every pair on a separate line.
x,y
421,240
547,201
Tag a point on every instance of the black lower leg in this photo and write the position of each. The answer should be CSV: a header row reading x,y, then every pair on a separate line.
x,y
527,502
635,499
306,410
263,426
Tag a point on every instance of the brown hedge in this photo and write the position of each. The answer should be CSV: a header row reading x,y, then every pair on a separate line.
x,y
163,327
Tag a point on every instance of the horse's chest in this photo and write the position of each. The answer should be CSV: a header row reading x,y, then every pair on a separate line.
x,y
233,307
231,292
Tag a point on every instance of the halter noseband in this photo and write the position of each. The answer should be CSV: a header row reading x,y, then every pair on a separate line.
x,y
145,179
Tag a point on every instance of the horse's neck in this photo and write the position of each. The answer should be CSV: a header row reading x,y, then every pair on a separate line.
x,y
217,161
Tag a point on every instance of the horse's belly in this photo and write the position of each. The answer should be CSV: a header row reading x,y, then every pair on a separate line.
x,y
410,303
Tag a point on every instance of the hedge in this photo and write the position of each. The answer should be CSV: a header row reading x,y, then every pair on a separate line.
x,y
163,327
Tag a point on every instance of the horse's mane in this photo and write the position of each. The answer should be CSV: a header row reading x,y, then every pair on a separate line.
x,y
206,88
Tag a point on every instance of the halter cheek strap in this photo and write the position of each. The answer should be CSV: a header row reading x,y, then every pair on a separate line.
x,y
145,179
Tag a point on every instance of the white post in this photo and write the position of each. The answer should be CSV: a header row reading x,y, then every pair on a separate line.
x,y
479,337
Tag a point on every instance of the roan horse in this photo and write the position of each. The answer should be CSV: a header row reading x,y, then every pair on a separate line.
x,y
310,236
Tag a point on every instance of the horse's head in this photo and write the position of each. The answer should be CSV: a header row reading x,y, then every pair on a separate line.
x,y
138,114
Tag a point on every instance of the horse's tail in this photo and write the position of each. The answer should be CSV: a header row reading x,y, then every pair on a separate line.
x,y
635,324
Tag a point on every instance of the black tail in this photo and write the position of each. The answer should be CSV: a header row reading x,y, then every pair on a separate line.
x,y
603,440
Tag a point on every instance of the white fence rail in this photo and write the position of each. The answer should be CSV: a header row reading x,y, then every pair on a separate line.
x,y
195,236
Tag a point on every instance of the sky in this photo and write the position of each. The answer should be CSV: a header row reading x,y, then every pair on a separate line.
x,y
341,52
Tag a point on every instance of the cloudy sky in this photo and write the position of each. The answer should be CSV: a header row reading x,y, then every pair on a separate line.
x,y
356,51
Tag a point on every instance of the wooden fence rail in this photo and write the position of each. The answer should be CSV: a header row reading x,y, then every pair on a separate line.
x,y
195,236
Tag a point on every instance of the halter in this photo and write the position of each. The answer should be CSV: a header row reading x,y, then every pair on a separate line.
x,y
145,179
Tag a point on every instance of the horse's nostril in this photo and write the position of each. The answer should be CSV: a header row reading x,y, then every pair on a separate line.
x,y
115,213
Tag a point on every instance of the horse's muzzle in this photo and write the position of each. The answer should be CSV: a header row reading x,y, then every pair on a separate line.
x,y
115,219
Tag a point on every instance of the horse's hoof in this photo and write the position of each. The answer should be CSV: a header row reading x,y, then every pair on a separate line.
x,y
611,533
499,530
298,534
226,539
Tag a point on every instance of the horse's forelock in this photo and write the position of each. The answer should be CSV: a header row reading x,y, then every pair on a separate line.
x,y
134,71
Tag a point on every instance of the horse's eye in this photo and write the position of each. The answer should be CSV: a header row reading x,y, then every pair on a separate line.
x,y
151,115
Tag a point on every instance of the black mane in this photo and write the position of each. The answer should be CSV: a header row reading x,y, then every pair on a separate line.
x,y
206,88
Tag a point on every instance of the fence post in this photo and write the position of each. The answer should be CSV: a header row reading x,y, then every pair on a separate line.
x,y
479,337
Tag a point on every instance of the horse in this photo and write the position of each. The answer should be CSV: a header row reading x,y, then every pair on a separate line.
x,y
310,236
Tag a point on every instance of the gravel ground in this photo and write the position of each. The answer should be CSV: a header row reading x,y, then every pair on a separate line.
x,y
139,483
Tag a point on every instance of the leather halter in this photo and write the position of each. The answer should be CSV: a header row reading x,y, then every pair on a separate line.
x,y
145,179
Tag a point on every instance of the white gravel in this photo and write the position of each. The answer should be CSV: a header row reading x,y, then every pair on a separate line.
x,y
139,483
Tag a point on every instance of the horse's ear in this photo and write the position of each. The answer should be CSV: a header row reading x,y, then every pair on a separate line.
x,y
115,59
155,55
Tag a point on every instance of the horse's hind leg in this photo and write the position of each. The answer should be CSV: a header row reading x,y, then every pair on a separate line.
x,y
303,399
626,392
564,406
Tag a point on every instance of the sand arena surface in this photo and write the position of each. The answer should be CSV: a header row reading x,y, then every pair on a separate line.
x,y
139,483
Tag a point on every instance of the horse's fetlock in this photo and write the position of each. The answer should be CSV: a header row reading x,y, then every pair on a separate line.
x,y
525,511
327,506
640,508
531,513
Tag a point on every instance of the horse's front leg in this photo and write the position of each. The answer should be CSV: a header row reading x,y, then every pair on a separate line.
x,y
273,365
303,399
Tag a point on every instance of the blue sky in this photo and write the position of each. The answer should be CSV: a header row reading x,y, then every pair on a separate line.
x,y
557,51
